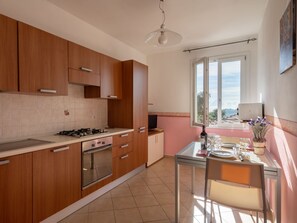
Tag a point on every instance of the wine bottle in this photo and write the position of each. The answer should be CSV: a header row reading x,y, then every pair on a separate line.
x,y
203,138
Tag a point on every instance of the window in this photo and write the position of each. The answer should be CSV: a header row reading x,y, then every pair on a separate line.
x,y
217,91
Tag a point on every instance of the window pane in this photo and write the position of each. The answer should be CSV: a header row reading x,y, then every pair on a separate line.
x,y
213,93
230,90
199,110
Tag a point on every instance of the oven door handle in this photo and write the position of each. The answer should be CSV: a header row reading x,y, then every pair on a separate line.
x,y
97,150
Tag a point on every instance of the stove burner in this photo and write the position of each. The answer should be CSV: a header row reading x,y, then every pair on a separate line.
x,y
81,132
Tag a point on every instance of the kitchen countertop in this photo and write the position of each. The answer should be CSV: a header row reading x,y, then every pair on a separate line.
x,y
60,140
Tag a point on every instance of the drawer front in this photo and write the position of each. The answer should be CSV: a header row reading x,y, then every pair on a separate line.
x,y
122,138
123,164
121,149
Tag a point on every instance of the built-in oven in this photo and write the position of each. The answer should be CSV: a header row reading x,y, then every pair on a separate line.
x,y
96,160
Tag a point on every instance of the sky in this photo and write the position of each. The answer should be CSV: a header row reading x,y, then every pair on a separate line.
x,y
230,84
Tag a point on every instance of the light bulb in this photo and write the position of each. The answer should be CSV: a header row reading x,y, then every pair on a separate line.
x,y
162,38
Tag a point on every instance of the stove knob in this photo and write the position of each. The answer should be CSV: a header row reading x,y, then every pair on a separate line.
x,y
93,145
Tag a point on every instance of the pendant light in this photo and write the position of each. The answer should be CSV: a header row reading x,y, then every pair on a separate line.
x,y
163,37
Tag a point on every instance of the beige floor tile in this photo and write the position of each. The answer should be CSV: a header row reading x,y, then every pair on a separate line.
x,y
170,211
76,218
166,198
120,192
104,217
123,202
101,204
168,179
161,221
145,200
140,190
153,180
188,220
152,213
128,216
134,182
159,189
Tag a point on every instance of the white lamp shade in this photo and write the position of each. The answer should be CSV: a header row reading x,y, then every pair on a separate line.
x,y
163,37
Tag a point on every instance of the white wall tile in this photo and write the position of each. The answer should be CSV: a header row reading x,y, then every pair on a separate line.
x,y
23,116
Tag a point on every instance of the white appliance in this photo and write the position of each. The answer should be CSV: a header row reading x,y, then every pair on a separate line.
x,y
249,111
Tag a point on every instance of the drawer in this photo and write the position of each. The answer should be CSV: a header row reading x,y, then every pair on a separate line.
x,y
123,164
121,149
122,138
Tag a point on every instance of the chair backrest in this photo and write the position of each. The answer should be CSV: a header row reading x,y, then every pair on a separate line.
x,y
235,184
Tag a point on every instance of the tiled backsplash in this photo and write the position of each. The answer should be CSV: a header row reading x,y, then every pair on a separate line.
x,y
23,116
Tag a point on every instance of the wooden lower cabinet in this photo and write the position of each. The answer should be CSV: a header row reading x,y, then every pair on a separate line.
x,y
16,189
140,147
56,180
123,164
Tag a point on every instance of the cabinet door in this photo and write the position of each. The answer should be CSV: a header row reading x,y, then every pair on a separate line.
x,y
56,181
111,78
84,65
16,189
140,147
8,54
140,95
43,64
155,148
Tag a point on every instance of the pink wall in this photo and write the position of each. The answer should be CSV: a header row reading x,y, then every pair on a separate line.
x,y
283,145
179,133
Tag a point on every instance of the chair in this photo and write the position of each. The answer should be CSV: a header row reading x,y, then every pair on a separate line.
x,y
235,184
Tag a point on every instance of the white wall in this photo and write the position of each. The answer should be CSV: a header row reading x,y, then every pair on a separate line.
x,y
170,75
278,92
46,16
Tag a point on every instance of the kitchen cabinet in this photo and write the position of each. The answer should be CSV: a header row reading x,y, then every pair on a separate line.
x,y
123,164
122,144
84,65
110,78
8,54
131,111
16,188
155,147
122,153
43,63
57,179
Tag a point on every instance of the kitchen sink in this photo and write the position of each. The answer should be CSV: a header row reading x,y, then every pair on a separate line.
x,y
22,144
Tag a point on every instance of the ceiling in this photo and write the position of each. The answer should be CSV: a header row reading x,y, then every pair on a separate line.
x,y
200,22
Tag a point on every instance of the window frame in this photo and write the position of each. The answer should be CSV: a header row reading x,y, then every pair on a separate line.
x,y
244,58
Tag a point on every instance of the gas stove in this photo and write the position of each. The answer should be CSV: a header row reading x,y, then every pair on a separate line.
x,y
81,132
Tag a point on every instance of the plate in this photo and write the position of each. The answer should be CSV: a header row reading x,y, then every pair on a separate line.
x,y
228,145
222,154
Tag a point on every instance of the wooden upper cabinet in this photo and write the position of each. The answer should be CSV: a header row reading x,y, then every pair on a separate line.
x,y
111,80
56,181
84,65
43,63
16,188
8,54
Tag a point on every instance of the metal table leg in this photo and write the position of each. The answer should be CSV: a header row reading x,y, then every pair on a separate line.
x,y
193,179
278,192
177,192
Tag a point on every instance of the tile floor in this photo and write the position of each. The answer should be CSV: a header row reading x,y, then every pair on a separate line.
x,y
149,197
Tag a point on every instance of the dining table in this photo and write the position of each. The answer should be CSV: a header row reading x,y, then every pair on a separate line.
x,y
193,155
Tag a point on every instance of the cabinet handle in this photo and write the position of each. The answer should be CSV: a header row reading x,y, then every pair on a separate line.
x,y
142,131
124,146
86,69
60,149
141,128
124,135
112,96
124,157
49,91
3,162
